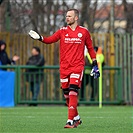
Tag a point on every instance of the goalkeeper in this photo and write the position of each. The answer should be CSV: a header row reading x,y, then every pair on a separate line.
x,y
73,39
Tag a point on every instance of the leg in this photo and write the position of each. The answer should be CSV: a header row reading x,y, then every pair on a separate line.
x,y
71,96
36,90
32,88
66,95
75,83
73,117
73,102
65,87
33,93
72,108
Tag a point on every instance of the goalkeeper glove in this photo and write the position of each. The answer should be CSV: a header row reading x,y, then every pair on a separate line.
x,y
95,71
35,35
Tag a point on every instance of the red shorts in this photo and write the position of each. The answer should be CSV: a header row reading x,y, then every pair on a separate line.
x,y
71,78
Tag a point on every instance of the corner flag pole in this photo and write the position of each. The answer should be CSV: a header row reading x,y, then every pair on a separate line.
x,y
100,85
100,60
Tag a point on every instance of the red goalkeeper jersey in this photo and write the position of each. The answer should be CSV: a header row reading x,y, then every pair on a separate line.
x,y
72,44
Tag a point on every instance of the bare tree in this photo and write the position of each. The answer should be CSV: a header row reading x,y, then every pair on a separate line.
x,y
128,9
88,13
2,13
46,16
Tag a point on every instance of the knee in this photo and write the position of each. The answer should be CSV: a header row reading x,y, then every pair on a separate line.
x,y
66,93
73,90
73,93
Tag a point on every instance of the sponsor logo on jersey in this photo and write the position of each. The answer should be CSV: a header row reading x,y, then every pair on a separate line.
x,y
72,40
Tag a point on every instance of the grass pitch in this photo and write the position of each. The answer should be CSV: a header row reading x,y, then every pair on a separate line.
x,y
51,119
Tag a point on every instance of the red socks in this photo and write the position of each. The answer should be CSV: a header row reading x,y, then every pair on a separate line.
x,y
72,108
67,99
67,102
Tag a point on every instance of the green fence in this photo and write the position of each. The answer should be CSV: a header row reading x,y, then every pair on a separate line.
x,y
50,92
117,50
124,59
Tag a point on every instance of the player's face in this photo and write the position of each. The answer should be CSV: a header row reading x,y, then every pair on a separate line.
x,y
71,18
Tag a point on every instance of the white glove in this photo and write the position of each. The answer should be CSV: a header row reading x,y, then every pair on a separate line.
x,y
35,35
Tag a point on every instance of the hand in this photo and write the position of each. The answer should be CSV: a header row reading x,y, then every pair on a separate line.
x,y
15,58
35,35
95,72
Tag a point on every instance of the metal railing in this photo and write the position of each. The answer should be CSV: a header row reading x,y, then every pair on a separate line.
x,y
117,50
50,92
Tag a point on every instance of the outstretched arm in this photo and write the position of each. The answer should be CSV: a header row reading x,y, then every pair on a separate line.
x,y
51,39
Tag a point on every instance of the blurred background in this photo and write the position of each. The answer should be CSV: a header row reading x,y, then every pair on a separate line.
x,y
110,23
46,16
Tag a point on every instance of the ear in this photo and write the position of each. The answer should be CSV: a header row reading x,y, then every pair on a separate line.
x,y
76,18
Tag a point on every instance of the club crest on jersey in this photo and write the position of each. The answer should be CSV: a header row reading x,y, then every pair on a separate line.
x,y
80,35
